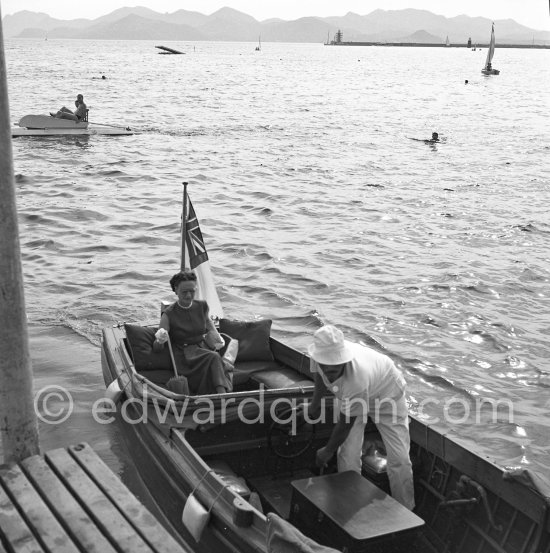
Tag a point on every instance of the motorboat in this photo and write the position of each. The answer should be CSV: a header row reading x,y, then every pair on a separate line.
x,y
47,125
232,473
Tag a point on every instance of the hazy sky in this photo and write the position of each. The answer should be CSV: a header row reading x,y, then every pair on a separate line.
x,y
532,13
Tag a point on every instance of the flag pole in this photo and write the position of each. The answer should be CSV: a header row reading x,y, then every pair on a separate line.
x,y
18,424
183,227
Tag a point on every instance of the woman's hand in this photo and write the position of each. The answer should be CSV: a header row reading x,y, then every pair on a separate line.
x,y
161,336
214,340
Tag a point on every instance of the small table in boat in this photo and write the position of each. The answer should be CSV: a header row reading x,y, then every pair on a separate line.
x,y
346,510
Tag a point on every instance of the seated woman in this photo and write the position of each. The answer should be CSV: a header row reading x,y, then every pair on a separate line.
x,y
79,114
194,339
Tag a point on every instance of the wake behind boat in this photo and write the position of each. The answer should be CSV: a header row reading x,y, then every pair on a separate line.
x,y
233,473
46,125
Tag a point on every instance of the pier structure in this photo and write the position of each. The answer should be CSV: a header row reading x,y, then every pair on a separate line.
x,y
339,41
69,501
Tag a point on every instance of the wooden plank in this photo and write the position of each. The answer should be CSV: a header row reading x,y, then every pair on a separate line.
x,y
107,517
142,520
13,529
37,513
65,507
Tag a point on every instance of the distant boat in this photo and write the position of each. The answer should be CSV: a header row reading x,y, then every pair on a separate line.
x,y
166,50
488,69
46,125
474,48
447,43
259,47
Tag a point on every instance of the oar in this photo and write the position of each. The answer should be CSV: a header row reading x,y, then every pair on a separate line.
x,y
178,383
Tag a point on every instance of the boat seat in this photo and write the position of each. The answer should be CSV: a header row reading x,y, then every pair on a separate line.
x,y
281,378
245,369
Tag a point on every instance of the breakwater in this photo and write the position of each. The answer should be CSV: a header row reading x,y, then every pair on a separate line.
x,y
437,45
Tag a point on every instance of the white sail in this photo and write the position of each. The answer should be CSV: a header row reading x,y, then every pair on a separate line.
x,y
491,47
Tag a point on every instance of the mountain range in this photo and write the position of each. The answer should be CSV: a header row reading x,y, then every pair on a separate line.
x,y
227,24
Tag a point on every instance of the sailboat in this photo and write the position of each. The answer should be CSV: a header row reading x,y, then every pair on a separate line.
x,y
259,47
447,43
488,69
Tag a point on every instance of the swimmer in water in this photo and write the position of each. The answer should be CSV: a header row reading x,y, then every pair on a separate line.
x,y
432,140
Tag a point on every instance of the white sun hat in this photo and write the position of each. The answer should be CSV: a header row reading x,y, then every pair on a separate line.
x,y
329,347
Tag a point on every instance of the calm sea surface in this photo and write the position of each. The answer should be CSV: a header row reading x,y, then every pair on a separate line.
x,y
316,208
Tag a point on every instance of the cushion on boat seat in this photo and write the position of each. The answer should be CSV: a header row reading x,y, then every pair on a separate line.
x,y
281,378
140,340
229,478
253,338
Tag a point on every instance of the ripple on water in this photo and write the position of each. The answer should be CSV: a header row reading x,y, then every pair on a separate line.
x,y
315,207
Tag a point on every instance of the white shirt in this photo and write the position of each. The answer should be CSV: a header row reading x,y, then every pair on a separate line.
x,y
369,376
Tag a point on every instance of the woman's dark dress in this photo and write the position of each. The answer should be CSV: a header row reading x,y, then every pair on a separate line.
x,y
203,368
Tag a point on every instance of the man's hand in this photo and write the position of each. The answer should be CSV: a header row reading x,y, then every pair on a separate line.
x,y
323,456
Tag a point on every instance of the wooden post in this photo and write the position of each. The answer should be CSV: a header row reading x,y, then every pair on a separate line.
x,y
18,425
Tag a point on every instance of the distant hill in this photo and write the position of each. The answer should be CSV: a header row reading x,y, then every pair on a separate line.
x,y
134,27
422,37
14,25
227,24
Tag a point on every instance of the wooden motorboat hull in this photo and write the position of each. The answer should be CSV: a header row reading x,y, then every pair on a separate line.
x,y
468,502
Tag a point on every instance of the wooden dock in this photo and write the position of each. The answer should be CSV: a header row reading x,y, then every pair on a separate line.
x,y
69,501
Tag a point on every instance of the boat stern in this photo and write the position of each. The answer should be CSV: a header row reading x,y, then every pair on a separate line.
x,y
49,122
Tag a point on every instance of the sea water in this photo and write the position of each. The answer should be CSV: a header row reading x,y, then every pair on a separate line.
x,y
316,207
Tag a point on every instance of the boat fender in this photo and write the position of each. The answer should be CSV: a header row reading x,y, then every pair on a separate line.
x,y
195,516
113,391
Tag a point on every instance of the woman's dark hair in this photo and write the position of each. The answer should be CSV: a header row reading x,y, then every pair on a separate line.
x,y
182,277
